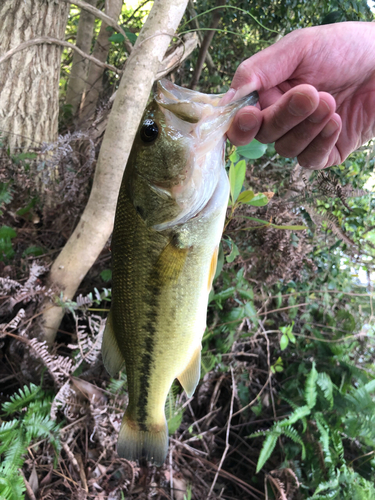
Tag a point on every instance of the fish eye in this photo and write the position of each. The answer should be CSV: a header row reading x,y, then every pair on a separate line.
x,y
149,131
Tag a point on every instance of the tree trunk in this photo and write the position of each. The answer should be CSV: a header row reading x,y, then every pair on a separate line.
x,y
80,65
29,80
216,16
95,226
95,73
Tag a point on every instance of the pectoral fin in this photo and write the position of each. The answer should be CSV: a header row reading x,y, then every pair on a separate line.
x,y
171,262
189,378
113,360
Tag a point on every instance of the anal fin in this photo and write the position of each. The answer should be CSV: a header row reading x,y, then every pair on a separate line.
x,y
189,378
113,360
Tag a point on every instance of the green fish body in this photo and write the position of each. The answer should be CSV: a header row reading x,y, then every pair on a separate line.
x,y
169,220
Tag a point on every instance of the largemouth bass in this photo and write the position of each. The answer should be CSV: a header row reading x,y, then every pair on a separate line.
x,y
169,220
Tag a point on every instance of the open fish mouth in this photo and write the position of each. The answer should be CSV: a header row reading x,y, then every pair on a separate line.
x,y
202,119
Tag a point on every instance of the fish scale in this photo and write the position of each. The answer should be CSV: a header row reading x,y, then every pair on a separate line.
x,y
169,220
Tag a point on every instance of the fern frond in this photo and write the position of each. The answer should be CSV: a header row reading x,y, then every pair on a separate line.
x,y
330,185
267,449
332,223
337,443
292,434
15,451
332,485
173,410
21,400
7,428
60,367
12,486
38,427
323,428
310,387
290,403
298,414
41,406
115,386
325,383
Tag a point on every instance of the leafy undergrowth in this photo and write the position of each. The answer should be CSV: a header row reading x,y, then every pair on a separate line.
x,y
285,408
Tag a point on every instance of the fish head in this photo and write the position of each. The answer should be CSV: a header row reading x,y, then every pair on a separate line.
x,y
179,147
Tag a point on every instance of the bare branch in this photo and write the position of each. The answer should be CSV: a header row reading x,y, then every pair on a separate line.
x,y
47,39
98,13
176,54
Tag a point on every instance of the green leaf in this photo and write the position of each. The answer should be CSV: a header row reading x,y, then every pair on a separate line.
x,y
7,232
5,193
284,341
267,449
119,38
259,200
234,157
246,196
233,253
106,275
253,150
116,37
290,228
33,250
310,387
237,174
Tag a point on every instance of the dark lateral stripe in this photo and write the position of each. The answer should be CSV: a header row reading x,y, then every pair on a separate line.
x,y
147,358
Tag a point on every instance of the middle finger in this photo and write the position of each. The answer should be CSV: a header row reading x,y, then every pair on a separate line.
x,y
287,112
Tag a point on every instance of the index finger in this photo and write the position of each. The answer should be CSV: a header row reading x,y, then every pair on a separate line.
x,y
267,68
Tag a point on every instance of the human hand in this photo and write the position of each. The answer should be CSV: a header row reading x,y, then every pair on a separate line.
x,y
316,94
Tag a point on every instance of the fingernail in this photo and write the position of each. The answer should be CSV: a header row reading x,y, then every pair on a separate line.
x,y
247,121
315,166
228,97
320,113
300,104
331,127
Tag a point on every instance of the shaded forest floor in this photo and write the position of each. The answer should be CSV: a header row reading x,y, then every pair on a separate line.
x,y
278,310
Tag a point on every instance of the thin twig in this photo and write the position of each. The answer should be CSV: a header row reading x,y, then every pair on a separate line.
x,y
136,10
101,15
171,471
269,366
29,490
283,308
57,41
256,397
227,445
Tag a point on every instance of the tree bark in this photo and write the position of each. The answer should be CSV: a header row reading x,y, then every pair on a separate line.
x,y
95,226
29,81
80,65
206,42
95,73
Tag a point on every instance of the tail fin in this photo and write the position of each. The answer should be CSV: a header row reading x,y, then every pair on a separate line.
x,y
135,444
